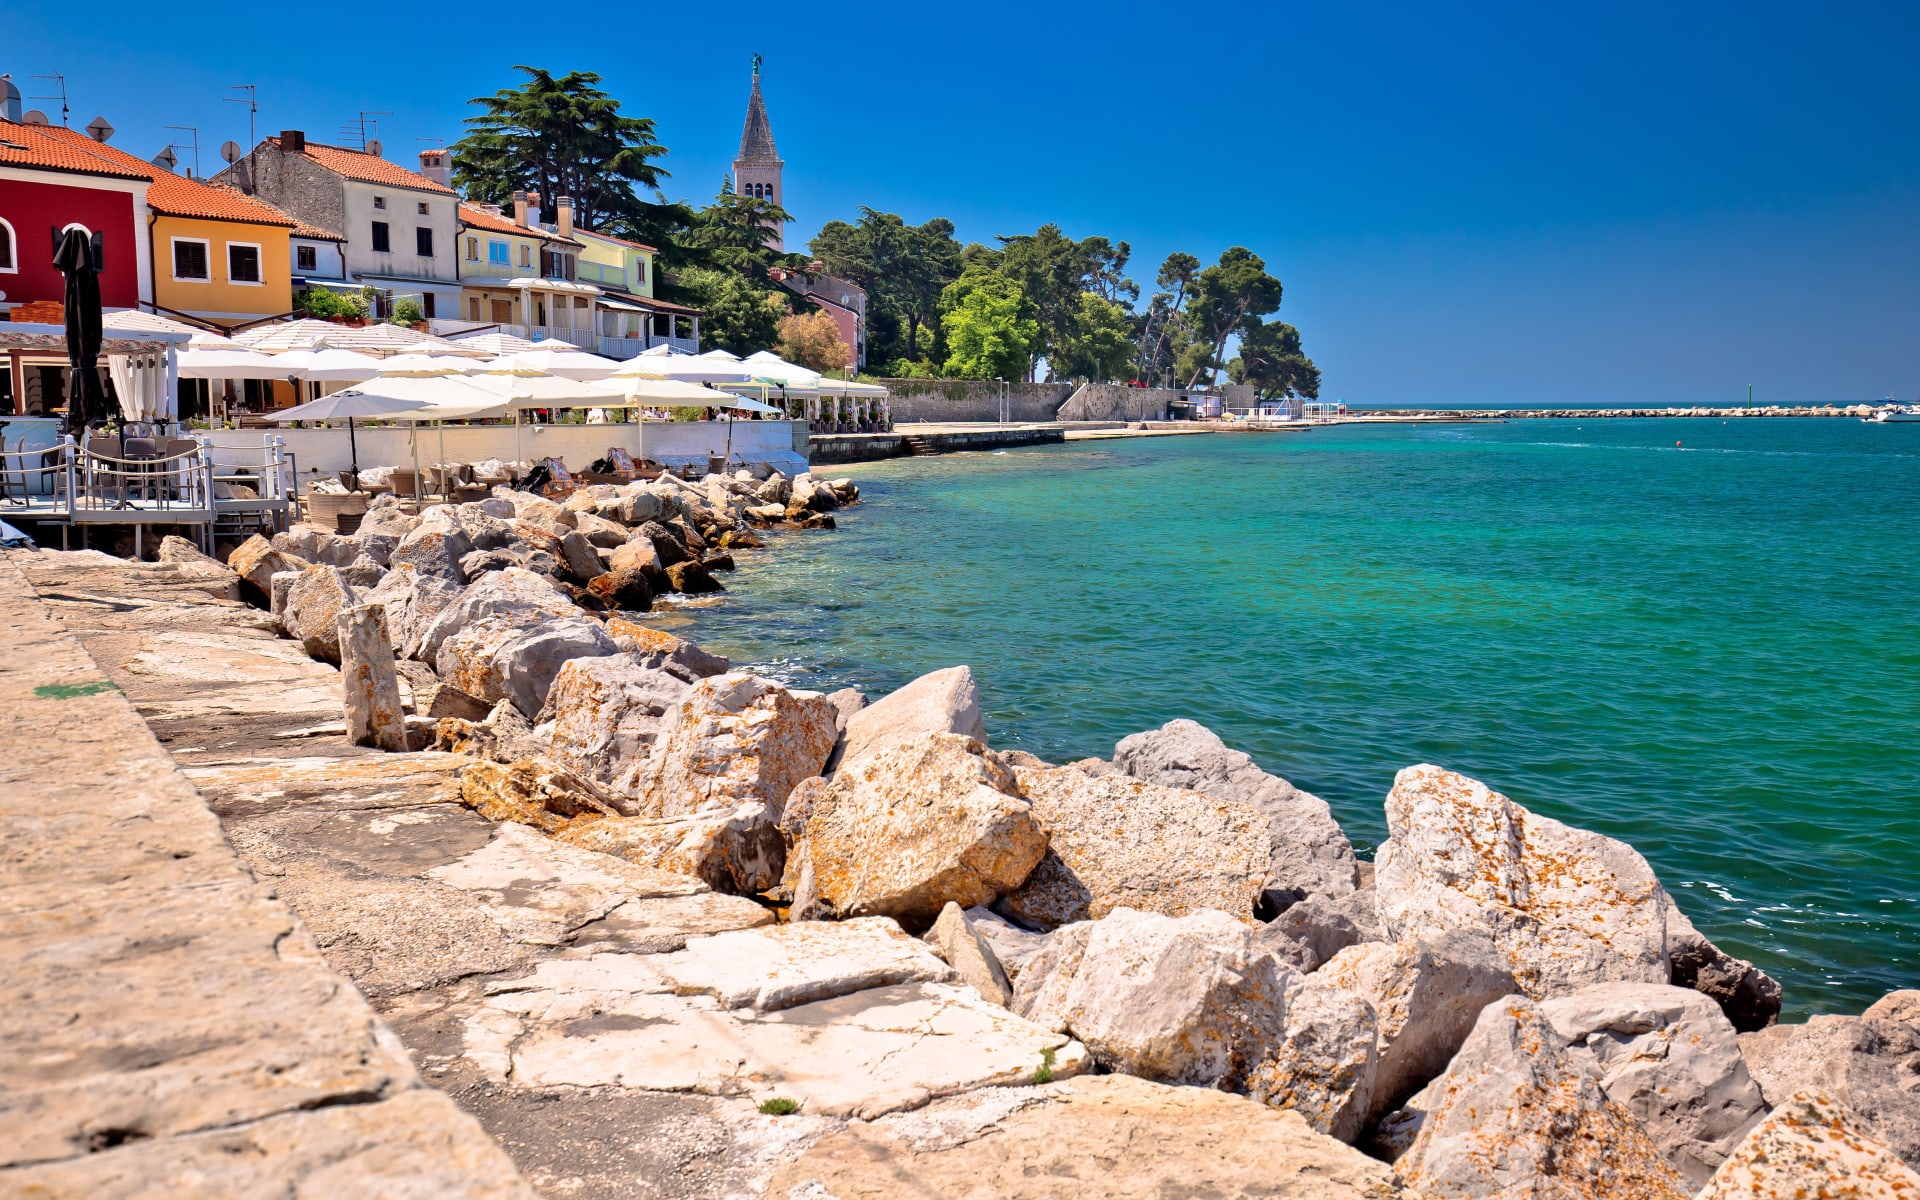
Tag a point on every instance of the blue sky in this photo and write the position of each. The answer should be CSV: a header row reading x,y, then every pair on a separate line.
x,y
1494,203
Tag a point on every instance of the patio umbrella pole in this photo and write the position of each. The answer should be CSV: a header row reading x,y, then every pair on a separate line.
x,y
353,454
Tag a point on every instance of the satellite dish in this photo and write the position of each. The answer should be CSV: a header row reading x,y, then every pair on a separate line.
x,y
35,117
166,160
230,151
99,130
373,147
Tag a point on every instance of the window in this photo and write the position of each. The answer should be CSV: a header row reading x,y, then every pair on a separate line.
x,y
473,249
473,308
306,258
501,253
639,270
190,259
526,255
423,208
423,242
379,201
381,244
7,263
243,262
426,305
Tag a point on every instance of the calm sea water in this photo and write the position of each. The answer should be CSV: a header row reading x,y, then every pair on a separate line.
x,y
1708,649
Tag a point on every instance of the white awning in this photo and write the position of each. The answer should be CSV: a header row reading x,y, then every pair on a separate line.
x,y
544,285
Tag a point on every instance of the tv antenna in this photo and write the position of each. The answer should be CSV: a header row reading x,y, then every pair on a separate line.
x,y
252,101
59,81
194,146
359,129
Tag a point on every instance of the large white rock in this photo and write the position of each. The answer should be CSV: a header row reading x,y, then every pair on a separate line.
x,y
1426,996
498,659
313,609
781,966
607,713
738,739
933,821
1185,999
1748,995
1115,841
434,547
1325,1064
1515,1116
1566,907
739,852
256,562
1310,856
515,594
954,938
1813,1147
946,701
1870,1063
411,600
1670,1057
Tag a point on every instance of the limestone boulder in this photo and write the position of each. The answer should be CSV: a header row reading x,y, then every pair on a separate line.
x,y
534,791
256,562
435,548
499,659
1117,842
363,574
738,739
314,604
692,578
954,938
667,546
385,517
1046,972
578,558
1426,996
1308,853
1177,999
1748,995
620,591
604,534
1516,1116
527,506
1812,1146
517,595
638,554
312,544
1326,925
412,600
502,734
739,852
1670,1057
665,652
607,712
636,506
1870,1063
1324,1065
1012,946
946,701
934,821
1566,907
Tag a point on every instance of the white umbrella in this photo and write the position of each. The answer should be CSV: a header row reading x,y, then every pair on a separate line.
x,y
774,369
687,368
429,365
642,390
570,364
722,355
349,404
324,364
205,362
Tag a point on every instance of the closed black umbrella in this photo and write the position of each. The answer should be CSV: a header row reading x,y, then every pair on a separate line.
x,y
86,399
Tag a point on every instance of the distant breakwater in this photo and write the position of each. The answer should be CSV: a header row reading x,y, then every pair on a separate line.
x,y
1520,414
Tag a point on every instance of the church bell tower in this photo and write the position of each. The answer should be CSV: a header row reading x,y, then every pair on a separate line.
x,y
756,169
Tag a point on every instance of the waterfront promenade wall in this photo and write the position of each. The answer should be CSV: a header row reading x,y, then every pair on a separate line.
x,y
936,401
1117,402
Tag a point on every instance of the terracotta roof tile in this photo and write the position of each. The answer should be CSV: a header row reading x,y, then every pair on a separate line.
x,y
303,230
368,168
607,237
174,196
479,218
52,148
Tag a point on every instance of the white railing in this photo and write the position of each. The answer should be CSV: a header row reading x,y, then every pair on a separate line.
x,y
36,479
172,488
628,347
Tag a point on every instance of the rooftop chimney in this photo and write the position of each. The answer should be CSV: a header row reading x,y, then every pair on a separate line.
x,y
566,216
437,164
9,100
520,209
293,141
533,208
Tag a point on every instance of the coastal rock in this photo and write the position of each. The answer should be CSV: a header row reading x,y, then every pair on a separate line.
x,y
494,659
664,652
1310,856
515,593
667,546
434,548
1116,842
739,853
1326,925
778,967
1324,1065
502,736
692,578
1748,995
1870,1063
411,600
604,534
578,558
1566,907
945,701
636,507
621,591
363,573
846,702
312,544
954,938
314,604
1012,946
1426,996
1812,1146
256,562
1515,1116
534,791
607,713
929,822
1670,1057
1045,975
1185,999
738,739
638,554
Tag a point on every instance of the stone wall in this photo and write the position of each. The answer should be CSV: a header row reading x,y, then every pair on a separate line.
x,y
294,184
916,400
1117,402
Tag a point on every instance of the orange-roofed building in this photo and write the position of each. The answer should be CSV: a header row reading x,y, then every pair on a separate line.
x,y
52,177
219,255
398,226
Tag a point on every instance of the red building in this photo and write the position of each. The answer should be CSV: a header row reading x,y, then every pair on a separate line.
x,y
51,177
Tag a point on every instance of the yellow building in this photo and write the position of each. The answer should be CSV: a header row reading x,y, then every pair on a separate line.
x,y
218,255
522,278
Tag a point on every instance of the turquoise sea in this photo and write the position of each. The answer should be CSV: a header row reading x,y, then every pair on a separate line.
x,y
1698,636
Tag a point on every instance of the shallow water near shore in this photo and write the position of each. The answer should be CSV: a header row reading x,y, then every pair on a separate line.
x,y
1709,650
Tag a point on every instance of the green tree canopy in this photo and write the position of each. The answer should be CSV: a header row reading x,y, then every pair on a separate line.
x,y
1098,343
1272,361
903,268
1225,295
989,327
734,315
